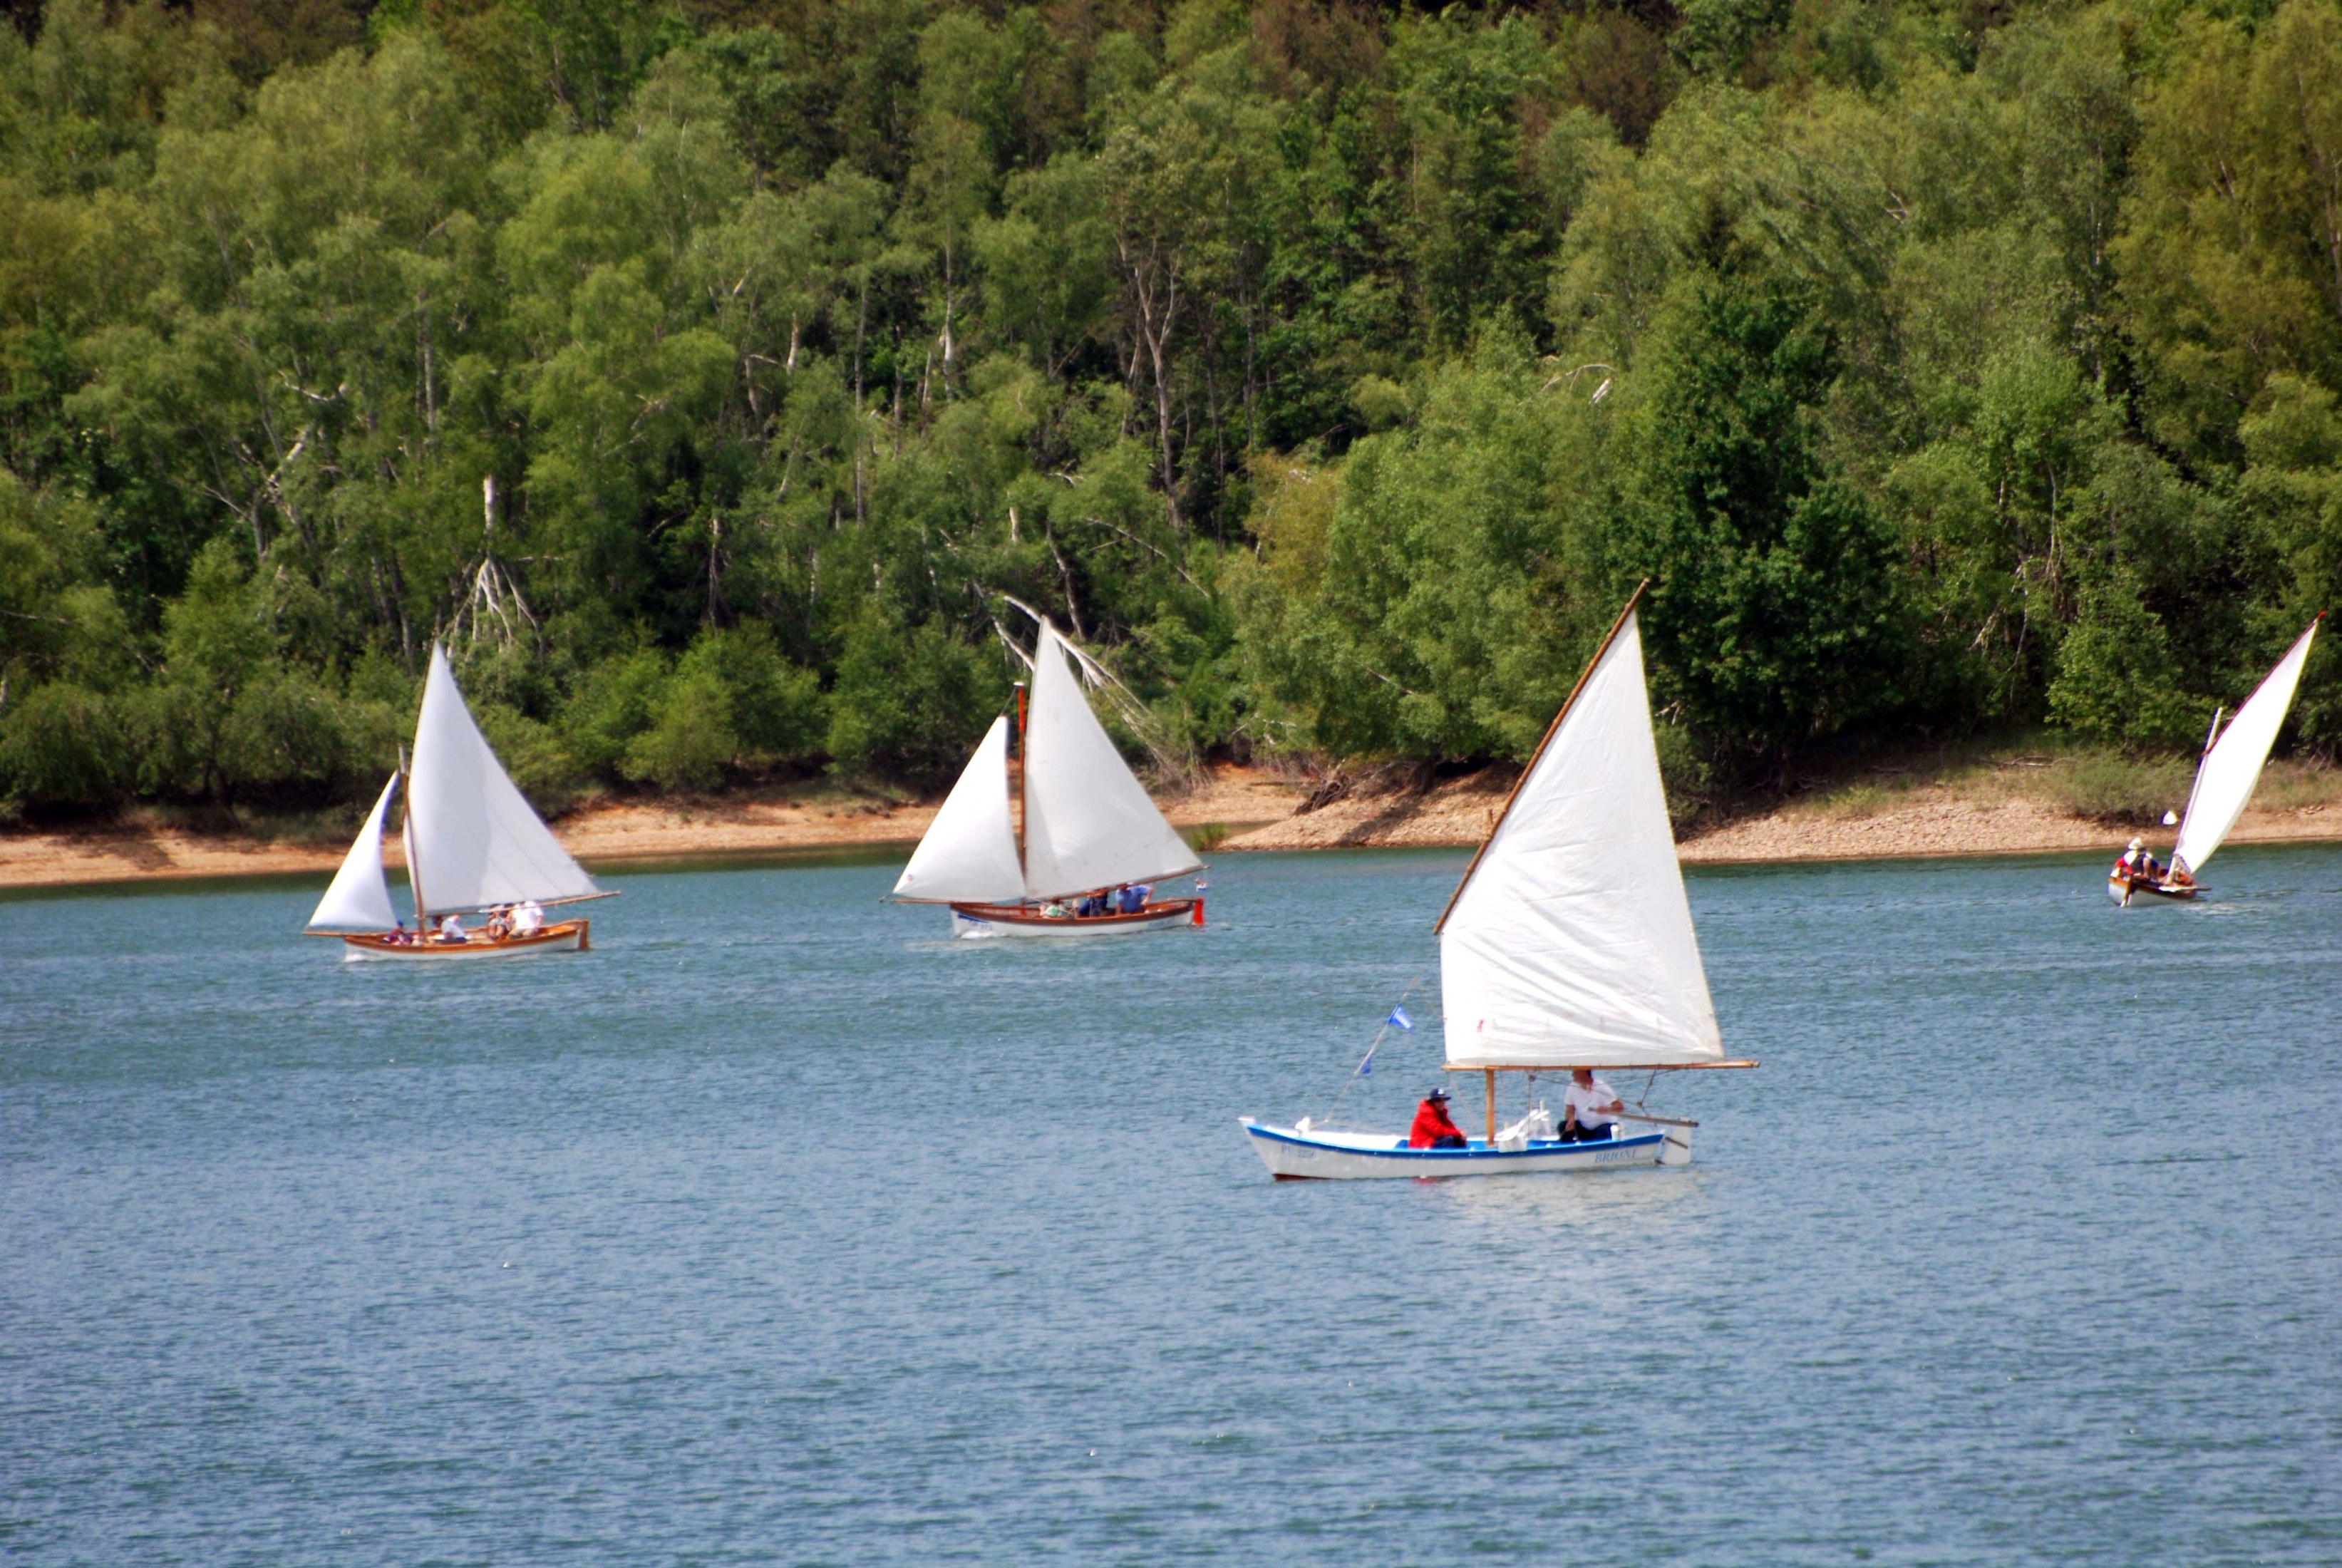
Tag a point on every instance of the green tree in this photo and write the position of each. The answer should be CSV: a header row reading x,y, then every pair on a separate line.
x,y
1775,611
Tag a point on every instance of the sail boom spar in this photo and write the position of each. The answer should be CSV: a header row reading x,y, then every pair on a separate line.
x,y
542,903
1595,1066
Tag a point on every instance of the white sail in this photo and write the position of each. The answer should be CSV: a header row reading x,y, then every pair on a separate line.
x,y
969,853
2225,782
1089,823
473,840
359,898
1571,944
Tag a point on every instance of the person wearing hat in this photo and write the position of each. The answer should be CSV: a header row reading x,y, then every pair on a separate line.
x,y
2136,862
1432,1130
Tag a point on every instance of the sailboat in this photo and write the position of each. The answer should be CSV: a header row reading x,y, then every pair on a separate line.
x,y
2224,778
1568,943
1090,827
473,843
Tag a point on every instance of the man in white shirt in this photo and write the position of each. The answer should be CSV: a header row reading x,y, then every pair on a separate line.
x,y
452,929
528,918
1589,1110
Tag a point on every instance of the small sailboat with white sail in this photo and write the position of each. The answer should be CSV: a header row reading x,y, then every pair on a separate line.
x,y
473,844
1568,943
1090,831
2225,780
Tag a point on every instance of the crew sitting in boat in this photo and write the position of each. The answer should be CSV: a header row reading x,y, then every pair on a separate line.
x,y
1056,910
1133,898
499,921
528,917
2137,864
1432,1130
452,929
1589,1110
1092,904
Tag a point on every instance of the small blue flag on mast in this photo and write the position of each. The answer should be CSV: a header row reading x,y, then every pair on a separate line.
x,y
1399,1018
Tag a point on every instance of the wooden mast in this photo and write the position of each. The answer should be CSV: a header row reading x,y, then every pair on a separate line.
x,y
406,842
1536,756
1492,1107
1023,773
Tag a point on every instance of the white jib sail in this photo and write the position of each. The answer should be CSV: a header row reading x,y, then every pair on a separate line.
x,y
475,841
1572,943
359,898
969,853
2225,782
1089,823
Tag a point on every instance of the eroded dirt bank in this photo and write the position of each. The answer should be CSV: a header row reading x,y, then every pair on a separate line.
x,y
1984,814
142,847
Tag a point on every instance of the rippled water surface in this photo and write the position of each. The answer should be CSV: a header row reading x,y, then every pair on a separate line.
x,y
776,1230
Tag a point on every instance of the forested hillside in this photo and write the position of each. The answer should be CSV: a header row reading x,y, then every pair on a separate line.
x,y
720,381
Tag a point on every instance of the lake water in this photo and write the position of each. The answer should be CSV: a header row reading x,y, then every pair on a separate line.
x,y
775,1230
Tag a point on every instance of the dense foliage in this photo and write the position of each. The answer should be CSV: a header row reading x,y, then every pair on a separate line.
x,y
720,381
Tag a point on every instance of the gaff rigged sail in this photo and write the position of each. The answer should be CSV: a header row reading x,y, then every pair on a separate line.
x,y
1088,821
474,840
1570,942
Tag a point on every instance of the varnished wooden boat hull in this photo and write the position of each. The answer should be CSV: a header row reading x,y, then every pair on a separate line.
x,y
2141,889
566,936
1020,919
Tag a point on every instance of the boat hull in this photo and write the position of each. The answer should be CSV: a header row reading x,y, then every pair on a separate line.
x,y
1294,1155
2125,890
982,920
567,936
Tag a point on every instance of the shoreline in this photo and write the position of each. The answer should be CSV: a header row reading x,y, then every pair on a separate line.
x,y
1241,809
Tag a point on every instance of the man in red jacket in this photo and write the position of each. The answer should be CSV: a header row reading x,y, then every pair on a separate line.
x,y
1432,1130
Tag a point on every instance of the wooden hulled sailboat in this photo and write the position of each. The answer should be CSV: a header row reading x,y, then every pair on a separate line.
x,y
2225,779
1090,827
1568,943
473,844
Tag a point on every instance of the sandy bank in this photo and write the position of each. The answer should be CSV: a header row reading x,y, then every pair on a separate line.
x,y
1978,813
141,848
1978,816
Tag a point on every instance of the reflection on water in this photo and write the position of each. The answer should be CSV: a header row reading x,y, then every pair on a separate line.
x,y
783,1227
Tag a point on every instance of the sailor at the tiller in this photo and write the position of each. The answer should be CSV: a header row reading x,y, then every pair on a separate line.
x,y
1589,1110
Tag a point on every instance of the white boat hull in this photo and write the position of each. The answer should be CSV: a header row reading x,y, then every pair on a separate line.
x,y
1181,911
1294,1155
568,937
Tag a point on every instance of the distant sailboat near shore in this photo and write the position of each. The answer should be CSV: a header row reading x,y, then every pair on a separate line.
x,y
1090,827
1568,943
2225,781
473,844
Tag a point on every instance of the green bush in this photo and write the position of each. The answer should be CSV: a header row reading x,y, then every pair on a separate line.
x,y
774,707
910,705
614,702
691,739
62,744
285,736
533,754
2125,790
2117,681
